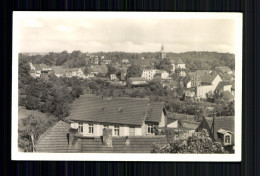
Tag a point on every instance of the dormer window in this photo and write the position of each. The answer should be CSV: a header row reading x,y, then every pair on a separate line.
x,y
149,129
227,139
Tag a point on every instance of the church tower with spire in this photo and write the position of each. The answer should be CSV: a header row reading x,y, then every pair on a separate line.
x,y
162,53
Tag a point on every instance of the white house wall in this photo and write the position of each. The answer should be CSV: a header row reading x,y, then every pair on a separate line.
x,y
189,84
162,123
216,81
173,124
227,88
203,90
85,129
181,66
123,129
138,131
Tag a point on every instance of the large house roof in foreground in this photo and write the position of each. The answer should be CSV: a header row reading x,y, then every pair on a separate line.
x,y
55,141
118,110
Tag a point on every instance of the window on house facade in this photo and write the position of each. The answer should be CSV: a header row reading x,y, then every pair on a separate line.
x,y
80,129
227,139
149,129
116,130
105,126
91,128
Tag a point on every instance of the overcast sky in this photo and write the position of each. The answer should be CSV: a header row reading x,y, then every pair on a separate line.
x,y
129,35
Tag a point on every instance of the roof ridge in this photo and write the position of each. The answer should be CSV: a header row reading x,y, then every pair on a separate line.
x,y
63,123
45,133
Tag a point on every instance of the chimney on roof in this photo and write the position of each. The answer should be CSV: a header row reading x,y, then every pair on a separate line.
x,y
107,137
102,108
120,109
71,138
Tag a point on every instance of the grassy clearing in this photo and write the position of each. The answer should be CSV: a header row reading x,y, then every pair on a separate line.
x,y
23,112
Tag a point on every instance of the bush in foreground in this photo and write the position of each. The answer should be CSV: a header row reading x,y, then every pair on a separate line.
x,y
198,142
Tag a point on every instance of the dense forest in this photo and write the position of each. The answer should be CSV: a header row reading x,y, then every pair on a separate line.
x,y
193,60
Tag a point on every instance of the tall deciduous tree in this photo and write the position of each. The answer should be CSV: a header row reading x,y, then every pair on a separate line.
x,y
164,64
134,71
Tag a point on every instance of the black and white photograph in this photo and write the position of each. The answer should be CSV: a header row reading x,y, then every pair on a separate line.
x,y
127,86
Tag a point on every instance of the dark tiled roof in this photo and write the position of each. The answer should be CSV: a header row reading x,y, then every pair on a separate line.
x,y
55,140
37,67
170,120
119,110
142,144
186,79
44,66
58,70
225,123
31,71
176,77
226,77
98,68
154,112
208,78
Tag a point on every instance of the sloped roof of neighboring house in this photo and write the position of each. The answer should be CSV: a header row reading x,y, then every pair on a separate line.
x,y
118,110
44,66
176,77
227,123
72,69
186,79
55,140
133,144
208,78
31,71
37,67
227,95
223,69
58,70
99,68
176,60
226,77
154,112
170,83
170,120
221,84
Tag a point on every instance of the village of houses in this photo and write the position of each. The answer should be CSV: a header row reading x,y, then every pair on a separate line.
x,y
125,125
